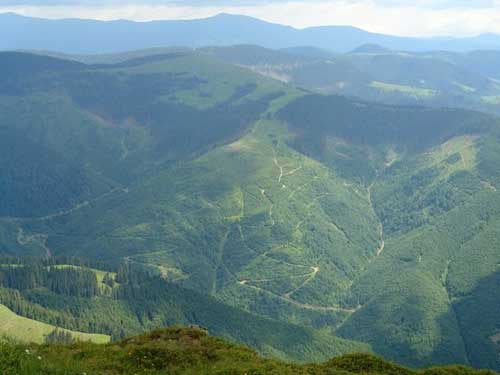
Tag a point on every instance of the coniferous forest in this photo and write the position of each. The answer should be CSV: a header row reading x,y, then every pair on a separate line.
x,y
232,208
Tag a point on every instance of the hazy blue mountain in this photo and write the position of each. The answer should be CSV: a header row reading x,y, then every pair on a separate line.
x,y
307,51
370,48
485,62
89,36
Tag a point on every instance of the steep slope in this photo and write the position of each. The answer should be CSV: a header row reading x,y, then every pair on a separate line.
x,y
437,211
329,215
126,131
433,216
269,230
253,222
94,129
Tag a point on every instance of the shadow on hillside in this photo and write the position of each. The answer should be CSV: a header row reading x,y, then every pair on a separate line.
x,y
478,317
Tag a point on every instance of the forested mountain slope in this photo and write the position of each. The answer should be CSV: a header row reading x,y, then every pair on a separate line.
x,y
372,72
90,129
51,294
339,217
438,211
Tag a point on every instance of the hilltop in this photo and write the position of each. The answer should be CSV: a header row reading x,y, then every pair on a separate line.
x,y
185,351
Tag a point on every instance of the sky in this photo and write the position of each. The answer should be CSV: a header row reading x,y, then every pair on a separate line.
x,y
397,17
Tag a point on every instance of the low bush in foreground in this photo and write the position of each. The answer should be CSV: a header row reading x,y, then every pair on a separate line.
x,y
184,351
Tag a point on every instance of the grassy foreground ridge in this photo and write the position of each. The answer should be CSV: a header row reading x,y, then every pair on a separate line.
x,y
183,351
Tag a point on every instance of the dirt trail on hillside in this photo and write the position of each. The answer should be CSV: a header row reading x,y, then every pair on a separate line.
x,y
315,271
271,206
221,263
293,171
382,244
275,160
125,150
381,248
299,304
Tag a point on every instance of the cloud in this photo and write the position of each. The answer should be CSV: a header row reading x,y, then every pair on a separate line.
x,y
440,4
413,18
431,4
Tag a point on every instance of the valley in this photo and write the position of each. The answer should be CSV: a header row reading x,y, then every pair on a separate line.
x,y
271,214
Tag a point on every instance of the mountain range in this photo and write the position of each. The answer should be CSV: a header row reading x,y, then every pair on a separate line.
x,y
89,36
267,212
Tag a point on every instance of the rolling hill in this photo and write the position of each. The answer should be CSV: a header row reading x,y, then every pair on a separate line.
x,y
351,225
374,73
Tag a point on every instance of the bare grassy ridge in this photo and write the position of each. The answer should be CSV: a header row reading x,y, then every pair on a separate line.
x,y
183,351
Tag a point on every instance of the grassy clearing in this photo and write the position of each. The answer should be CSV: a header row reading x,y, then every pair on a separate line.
x,y
98,273
27,330
465,88
408,90
491,100
458,153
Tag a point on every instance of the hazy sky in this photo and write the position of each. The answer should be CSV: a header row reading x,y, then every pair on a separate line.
x,y
417,17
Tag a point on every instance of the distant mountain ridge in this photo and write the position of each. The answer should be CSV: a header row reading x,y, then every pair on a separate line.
x,y
370,48
90,36
374,73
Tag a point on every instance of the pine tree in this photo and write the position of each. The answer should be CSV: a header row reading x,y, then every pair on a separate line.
x,y
59,337
108,280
